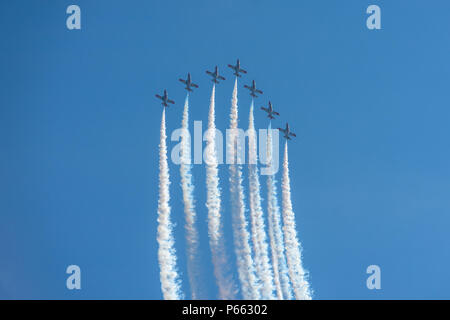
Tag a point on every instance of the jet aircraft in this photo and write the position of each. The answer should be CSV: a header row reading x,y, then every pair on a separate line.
x,y
270,111
237,68
287,132
165,99
253,89
188,82
215,75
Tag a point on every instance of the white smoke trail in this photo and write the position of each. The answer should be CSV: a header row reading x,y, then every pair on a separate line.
x,y
250,285
170,282
259,236
187,187
293,252
213,203
281,276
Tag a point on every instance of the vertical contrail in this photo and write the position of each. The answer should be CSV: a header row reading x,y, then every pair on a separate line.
x,y
170,282
281,276
259,236
249,282
213,203
293,252
192,238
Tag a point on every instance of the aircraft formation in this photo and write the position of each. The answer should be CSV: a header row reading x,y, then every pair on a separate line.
x,y
237,70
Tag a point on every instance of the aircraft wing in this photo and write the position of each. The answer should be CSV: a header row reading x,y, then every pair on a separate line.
x,y
221,78
292,134
209,72
171,101
246,86
184,81
242,70
259,91
276,113
232,67
194,85
282,130
265,109
158,96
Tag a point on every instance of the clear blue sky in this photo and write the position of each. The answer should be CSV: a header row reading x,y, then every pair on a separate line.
x,y
79,130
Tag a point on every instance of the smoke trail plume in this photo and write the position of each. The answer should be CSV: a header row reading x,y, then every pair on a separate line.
x,y
213,203
192,238
280,270
170,282
293,253
250,285
259,236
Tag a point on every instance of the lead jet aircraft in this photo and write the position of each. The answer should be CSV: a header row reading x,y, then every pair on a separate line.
x,y
165,99
189,84
237,68
253,89
270,111
287,132
215,75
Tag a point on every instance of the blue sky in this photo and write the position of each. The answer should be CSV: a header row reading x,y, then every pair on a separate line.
x,y
79,131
